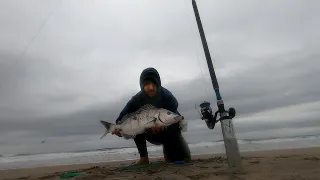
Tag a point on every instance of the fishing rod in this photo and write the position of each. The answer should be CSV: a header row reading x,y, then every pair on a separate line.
x,y
230,140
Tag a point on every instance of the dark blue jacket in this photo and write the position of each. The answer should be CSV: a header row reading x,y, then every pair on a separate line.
x,y
163,99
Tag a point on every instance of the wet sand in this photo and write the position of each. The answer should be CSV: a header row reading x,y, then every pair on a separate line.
x,y
290,164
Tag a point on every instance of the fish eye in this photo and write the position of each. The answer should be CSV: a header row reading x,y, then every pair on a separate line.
x,y
168,112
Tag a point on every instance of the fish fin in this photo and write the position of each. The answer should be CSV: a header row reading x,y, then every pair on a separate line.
x,y
125,117
146,107
126,136
109,127
139,111
105,133
183,125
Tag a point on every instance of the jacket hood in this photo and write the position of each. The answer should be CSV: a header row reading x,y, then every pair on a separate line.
x,y
150,73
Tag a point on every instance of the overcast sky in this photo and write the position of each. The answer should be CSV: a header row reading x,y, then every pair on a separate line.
x,y
64,65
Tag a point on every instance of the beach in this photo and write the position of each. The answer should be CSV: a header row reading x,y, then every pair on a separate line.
x,y
285,164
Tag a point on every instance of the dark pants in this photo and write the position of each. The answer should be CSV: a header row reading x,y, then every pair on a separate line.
x,y
175,147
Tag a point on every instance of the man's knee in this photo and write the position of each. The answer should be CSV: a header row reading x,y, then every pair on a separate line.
x,y
155,139
142,138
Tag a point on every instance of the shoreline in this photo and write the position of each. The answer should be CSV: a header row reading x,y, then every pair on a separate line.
x,y
37,172
76,158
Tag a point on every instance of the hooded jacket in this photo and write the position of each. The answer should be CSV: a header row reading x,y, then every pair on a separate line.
x,y
162,99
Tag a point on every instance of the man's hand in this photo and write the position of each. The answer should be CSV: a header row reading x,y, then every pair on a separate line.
x,y
157,129
116,132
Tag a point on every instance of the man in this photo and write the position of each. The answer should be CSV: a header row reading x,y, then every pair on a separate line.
x,y
174,146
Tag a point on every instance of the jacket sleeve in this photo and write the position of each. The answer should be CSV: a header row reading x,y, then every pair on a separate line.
x,y
173,106
129,108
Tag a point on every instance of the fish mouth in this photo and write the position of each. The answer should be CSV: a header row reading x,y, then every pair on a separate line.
x,y
179,118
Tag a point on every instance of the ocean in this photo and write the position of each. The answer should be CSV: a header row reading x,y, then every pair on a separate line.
x,y
108,155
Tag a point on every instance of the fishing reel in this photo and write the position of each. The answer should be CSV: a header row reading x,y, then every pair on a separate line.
x,y
210,118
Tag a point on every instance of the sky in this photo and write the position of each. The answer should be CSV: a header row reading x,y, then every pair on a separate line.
x,y
66,64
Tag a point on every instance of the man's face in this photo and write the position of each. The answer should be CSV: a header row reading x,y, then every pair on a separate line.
x,y
150,88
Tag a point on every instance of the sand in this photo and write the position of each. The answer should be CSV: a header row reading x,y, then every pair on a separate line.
x,y
290,164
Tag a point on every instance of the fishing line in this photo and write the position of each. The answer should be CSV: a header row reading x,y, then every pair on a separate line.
x,y
199,63
23,53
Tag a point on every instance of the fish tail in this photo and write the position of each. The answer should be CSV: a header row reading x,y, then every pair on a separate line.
x,y
109,127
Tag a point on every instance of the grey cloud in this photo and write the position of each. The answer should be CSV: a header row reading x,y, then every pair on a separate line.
x,y
271,85
84,65
256,89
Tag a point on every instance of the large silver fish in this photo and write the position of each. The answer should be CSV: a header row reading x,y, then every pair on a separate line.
x,y
142,120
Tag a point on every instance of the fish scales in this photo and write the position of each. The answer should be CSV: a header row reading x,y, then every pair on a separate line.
x,y
139,121
136,122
